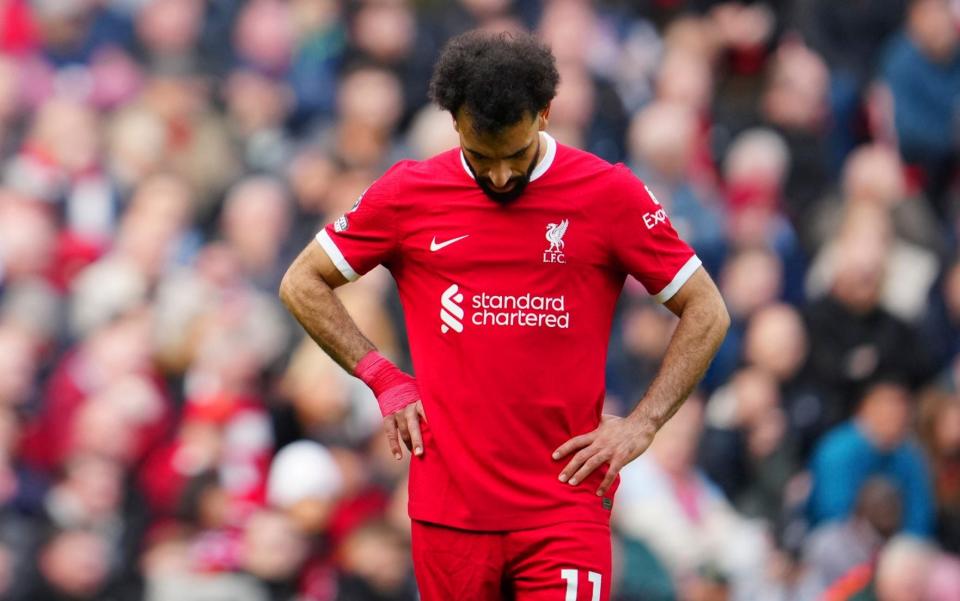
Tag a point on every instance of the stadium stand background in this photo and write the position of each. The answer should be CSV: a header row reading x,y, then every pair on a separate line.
x,y
166,433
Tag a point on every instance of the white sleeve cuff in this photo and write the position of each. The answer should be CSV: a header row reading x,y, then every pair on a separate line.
x,y
679,280
330,247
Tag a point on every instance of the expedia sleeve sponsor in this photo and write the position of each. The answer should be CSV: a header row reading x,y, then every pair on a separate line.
x,y
643,241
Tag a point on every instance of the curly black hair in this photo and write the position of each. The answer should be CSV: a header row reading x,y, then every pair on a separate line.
x,y
500,78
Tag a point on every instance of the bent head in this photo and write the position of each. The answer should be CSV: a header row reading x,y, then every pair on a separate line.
x,y
502,163
498,88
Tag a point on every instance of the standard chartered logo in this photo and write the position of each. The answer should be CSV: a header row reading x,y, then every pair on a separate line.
x,y
523,310
451,313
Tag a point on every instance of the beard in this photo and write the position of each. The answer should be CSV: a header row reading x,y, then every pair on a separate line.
x,y
519,183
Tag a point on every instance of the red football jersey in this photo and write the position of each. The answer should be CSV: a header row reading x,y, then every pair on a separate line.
x,y
508,312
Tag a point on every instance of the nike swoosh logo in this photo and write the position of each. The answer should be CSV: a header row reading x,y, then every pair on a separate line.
x,y
434,246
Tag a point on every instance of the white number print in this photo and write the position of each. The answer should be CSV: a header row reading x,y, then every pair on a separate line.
x,y
572,578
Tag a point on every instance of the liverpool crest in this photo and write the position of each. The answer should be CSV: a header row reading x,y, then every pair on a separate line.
x,y
555,232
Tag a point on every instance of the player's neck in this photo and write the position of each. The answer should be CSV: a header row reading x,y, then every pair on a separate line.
x,y
542,152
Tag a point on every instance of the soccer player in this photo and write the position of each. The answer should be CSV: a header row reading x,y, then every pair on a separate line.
x,y
509,254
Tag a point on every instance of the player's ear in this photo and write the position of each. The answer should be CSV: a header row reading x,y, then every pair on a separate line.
x,y
543,117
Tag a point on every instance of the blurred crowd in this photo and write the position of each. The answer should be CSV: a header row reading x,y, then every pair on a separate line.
x,y
167,432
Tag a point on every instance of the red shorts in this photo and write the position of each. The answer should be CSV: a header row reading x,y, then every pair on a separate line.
x,y
563,562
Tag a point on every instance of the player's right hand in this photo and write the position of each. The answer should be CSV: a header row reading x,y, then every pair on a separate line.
x,y
404,424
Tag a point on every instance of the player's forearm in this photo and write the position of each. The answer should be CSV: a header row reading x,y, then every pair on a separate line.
x,y
312,302
703,325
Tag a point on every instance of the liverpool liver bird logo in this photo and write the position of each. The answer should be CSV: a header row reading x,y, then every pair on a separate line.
x,y
555,232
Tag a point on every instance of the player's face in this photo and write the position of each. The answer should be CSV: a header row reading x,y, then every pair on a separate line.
x,y
502,163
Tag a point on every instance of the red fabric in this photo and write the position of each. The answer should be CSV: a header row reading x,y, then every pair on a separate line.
x,y
508,330
565,561
850,584
393,388
703,169
245,454
741,195
318,579
18,33
161,483
351,513
48,439
73,254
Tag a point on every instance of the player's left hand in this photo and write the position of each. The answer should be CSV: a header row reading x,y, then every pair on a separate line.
x,y
617,441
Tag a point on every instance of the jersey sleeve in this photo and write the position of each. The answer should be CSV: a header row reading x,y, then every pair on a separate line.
x,y
366,235
644,241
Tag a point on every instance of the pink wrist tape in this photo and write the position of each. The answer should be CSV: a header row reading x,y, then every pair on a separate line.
x,y
393,388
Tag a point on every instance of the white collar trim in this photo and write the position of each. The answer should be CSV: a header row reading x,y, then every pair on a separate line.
x,y
541,167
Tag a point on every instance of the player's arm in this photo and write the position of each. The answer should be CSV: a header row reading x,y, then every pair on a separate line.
x,y
704,322
618,441
307,291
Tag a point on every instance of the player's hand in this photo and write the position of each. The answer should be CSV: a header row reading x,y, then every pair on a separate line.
x,y
405,425
617,442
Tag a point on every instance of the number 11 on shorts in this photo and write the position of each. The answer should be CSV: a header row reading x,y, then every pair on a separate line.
x,y
572,578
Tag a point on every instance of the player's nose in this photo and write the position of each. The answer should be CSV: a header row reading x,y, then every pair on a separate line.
x,y
500,175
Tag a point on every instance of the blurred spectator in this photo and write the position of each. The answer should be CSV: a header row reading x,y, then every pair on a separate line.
x,y
922,69
390,35
750,279
943,579
776,342
92,497
72,564
755,171
746,447
939,430
162,435
264,35
151,236
794,102
835,548
431,132
273,550
107,394
321,44
876,207
874,443
849,36
255,224
321,401
169,31
940,326
668,504
641,575
10,101
195,143
685,80
901,574
18,367
369,107
305,482
202,587
853,338
211,295
375,566
71,31
67,174
22,489
258,106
